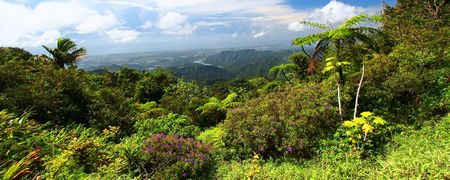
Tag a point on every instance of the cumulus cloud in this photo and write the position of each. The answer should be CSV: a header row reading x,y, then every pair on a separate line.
x,y
334,12
123,35
97,23
174,23
27,26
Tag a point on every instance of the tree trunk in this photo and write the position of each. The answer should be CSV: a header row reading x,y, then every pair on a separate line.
x,y
339,100
357,92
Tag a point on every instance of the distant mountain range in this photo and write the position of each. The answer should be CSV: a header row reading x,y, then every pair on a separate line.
x,y
204,66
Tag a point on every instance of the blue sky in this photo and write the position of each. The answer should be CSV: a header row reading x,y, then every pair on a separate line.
x,y
120,26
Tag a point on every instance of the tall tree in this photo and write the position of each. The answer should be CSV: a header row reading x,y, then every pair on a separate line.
x,y
334,40
65,53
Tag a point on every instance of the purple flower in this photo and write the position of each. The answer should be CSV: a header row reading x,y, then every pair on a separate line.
x,y
261,150
290,149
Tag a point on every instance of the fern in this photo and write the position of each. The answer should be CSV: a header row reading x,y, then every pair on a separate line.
x,y
315,25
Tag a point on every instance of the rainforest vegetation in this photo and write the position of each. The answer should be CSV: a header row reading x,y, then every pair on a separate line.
x,y
371,101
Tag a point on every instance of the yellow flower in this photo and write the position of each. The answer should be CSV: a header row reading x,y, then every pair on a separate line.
x,y
367,128
359,121
379,121
348,133
349,124
366,114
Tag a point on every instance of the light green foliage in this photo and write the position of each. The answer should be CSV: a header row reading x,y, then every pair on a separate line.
x,y
254,167
215,104
283,69
150,110
21,168
365,134
171,124
332,64
213,137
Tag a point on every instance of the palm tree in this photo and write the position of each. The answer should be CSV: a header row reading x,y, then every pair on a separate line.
x,y
281,69
334,40
65,53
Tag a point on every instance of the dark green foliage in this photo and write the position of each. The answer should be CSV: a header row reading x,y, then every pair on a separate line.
x,y
110,108
171,124
284,123
126,79
13,54
151,87
175,157
55,95
204,74
184,98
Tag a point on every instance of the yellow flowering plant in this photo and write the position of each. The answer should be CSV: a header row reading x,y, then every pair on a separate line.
x,y
365,133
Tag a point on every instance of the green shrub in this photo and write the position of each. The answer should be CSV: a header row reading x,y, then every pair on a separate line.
x,y
213,137
176,157
110,108
170,124
151,87
365,135
284,123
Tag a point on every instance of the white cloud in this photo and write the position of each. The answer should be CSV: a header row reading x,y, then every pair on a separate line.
x,y
174,23
334,12
273,11
45,38
235,34
147,25
258,35
121,35
97,23
28,26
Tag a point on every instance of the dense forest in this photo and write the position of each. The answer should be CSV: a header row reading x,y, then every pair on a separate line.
x,y
370,101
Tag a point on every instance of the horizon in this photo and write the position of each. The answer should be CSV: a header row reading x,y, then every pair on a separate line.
x,y
121,27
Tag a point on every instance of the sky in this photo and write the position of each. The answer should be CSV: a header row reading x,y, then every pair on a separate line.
x,y
123,26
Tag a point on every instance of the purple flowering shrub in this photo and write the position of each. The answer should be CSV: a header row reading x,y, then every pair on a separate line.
x,y
283,123
175,157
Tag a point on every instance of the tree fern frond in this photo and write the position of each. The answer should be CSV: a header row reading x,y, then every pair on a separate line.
x,y
310,39
315,25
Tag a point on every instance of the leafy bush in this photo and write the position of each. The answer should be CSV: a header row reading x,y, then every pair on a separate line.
x,y
213,137
284,123
151,87
184,98
110,108
78,152
366,134
171,124
176,157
